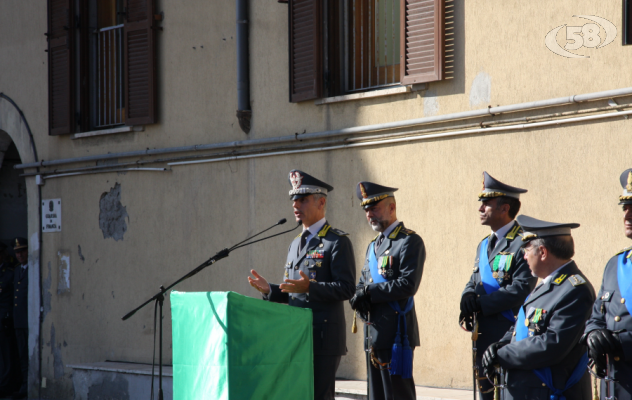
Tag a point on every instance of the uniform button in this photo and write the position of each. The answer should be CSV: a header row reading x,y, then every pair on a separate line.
x,y
514,334
325,320
617,318
17,290
16,297
622,301
616,358
480,283
544,384
371,280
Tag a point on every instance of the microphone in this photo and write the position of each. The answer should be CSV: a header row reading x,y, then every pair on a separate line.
x,y
267,237
281,222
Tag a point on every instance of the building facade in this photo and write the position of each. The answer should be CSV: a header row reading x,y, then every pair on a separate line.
x,y
166,131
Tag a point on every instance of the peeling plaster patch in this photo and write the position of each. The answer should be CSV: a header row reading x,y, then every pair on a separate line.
x,y
83,259
431,103
55,349
113,214
34,243
116,388
63,282
481,90
47,295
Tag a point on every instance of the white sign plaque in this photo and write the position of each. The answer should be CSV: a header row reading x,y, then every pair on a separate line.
x,y
51,215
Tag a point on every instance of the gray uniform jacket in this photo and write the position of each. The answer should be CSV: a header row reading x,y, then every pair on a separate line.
x,y
553,341
332,279
407,264
21,294
607,307
516,285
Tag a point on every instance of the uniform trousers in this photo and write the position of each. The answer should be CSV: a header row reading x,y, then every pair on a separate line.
x,y
7,360
325,368
385,386
22,336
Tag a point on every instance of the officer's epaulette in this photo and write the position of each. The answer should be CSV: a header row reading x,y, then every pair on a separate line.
x,y
393,234
560,279
324,230
624,250
407,231
576,280
338,232
515,231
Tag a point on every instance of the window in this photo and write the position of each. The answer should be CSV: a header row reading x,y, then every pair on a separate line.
x,y
101,64
349,46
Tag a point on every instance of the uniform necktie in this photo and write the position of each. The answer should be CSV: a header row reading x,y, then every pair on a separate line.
x,y
492,244
380,239
304,236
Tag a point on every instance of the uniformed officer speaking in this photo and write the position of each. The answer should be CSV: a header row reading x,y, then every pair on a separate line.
x,y
319,274
20,311
390,278
501,279
609,329
542,354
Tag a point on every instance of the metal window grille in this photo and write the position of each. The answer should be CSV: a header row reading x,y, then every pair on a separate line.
x,y
372,43
110,107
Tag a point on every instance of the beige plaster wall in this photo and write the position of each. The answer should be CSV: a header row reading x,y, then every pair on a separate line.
x,y
177,219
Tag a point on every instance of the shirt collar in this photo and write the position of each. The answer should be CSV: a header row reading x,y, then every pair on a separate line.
x,y
315,228
390,228
503,231
548,278
24,265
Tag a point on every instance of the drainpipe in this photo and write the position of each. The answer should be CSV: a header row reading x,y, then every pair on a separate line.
x,y
244,114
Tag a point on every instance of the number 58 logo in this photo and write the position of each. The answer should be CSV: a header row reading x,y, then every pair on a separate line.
x,y
587,35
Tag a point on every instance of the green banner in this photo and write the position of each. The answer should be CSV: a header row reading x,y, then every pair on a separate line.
x,y
227,346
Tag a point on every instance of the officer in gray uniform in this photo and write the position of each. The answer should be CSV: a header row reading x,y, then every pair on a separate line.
x,y
20,311
541,354
319,274
7,338
609,329
501,279
390,278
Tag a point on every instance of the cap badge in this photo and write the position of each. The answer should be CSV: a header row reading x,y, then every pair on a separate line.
x,y
364,195
296,178
17,242
629,186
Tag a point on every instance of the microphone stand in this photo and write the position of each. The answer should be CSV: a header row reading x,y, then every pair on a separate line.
x,y
159,297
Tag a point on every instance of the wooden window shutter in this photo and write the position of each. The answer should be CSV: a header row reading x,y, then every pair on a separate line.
x,y
140,62
421,41
305,49
61,57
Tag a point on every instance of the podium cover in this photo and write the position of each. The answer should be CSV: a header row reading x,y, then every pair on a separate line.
x,y
229,346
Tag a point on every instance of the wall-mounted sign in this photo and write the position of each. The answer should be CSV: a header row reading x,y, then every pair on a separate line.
x,y
51,215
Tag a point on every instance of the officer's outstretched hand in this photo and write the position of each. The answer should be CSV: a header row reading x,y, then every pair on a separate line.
x,y
259,282
490,359
601,342
296,285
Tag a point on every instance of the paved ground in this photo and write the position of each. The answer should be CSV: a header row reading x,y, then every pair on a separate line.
x,y
355,390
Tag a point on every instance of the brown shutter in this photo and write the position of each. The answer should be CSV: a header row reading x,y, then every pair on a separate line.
x,y
305,50
140,62
61,95
421,41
